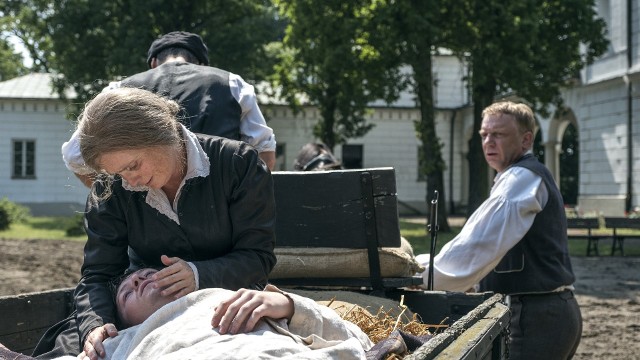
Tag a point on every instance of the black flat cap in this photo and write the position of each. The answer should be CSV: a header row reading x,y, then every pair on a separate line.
x,y
183,39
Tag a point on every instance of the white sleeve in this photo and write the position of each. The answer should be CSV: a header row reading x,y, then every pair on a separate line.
x,y
73,158
112,85
253,127
71,149
490,232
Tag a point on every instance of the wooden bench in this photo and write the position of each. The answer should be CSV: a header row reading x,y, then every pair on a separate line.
x,y
343,209
621,223
589,224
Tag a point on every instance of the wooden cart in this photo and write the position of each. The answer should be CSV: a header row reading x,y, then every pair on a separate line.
x,y
355,210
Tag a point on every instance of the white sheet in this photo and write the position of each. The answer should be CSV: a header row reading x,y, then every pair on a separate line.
x,y
182,330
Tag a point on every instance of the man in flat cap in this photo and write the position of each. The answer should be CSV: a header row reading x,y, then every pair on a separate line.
x,y
214,101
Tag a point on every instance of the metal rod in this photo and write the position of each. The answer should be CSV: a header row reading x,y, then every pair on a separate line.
x,y
433,230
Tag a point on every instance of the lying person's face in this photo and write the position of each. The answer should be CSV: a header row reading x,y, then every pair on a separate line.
x,y
137,298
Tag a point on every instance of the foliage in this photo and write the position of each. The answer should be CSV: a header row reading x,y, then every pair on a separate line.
x,y
10,62
11,213
529,48
41,227
74,226
27,20
411,30
94,42
333,58
4,219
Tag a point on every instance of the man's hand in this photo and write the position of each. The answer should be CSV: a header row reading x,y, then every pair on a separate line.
x,y
177,279
242,311
93,348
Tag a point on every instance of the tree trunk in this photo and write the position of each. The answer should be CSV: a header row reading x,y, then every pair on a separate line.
x,y
431,146
483,93
324,130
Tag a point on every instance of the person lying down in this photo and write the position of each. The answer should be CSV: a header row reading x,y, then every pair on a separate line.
x,y
224,324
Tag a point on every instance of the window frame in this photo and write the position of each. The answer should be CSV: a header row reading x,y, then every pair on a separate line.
x,y
27,157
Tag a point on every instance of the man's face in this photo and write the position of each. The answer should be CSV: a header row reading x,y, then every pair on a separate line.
x,y
137,298
502,141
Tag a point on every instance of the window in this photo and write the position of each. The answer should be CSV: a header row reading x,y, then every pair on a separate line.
x,y
352,156
24,159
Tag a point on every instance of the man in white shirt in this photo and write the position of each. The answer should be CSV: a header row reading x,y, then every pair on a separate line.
x,y
215,102
515,243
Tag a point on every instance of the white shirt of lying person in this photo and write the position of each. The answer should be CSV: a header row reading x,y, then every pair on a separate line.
x,y
253,127
182,330
502,220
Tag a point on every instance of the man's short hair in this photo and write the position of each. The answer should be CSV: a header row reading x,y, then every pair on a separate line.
x,y
521,112
181,39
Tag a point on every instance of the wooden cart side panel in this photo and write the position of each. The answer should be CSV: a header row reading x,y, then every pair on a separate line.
x,y
468,337
486,339
26,317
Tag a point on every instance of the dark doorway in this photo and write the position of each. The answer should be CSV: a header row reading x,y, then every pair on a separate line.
x,y
538,148
570,166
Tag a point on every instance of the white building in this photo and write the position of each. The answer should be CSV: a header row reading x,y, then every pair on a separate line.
x,y
604,107
32,129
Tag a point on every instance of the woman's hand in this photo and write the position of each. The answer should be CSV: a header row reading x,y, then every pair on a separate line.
x,y
242,311
177,279
93,348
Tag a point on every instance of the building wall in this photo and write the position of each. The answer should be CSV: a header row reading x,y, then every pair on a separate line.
x,y
450,91
601,106
602,124
391,142
54,190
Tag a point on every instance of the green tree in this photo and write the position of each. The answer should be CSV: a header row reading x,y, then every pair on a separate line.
x,y
328,56
93,42
343,55
411,32
26,20
530,49
11,63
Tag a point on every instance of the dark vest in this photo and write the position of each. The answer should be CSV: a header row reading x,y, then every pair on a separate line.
x,y
540,261
202,91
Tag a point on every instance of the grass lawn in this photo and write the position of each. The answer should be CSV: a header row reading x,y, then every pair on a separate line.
x,y
415,233
41,227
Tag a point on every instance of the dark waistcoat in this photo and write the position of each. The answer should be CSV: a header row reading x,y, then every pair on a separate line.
x,y
540,261
202,91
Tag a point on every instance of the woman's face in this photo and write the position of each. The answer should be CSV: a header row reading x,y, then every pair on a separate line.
x,y
150,167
